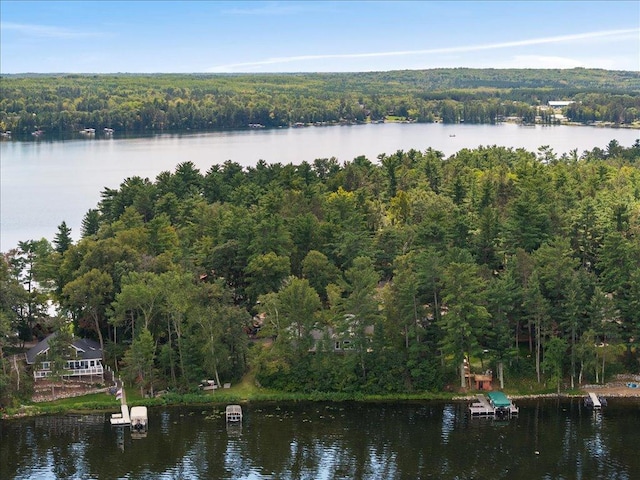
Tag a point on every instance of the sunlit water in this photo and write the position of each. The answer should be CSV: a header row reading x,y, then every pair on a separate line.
x,y
421,440
45,182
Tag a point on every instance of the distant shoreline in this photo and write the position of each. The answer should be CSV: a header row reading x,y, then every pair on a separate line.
x,y
27,138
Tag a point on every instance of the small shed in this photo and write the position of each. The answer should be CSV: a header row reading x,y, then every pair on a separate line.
x,y
483,382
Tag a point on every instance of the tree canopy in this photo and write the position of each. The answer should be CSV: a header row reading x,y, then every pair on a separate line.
x,y
64,105
366,276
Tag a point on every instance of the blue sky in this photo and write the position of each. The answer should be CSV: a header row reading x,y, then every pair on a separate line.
x,y
315,36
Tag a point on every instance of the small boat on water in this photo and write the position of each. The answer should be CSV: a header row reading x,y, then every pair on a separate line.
x,y
139,420
233,413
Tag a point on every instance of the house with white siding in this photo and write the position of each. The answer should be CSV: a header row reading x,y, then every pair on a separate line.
x,y
84,361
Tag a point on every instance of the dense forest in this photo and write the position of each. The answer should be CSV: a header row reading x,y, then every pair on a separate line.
x,y
367,277
62,105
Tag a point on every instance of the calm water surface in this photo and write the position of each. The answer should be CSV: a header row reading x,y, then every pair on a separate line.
x,y
46,182
333,441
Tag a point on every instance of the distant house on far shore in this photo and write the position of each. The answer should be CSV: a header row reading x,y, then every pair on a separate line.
x,y
560,103
84,363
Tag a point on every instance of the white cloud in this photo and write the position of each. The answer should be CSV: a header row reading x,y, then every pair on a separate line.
x,y
580,37
45,31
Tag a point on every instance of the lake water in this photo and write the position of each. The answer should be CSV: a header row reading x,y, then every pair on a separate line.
x,y
550,440
43,183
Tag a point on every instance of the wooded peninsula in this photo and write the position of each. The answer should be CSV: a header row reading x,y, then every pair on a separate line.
x,y
411,273
66,104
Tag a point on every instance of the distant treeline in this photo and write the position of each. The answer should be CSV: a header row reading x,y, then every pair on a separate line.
x,y
63,104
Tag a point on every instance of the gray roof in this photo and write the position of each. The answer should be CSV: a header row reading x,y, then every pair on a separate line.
x,y
86,349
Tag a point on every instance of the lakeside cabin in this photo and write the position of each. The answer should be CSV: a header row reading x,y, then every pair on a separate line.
x,y
84,362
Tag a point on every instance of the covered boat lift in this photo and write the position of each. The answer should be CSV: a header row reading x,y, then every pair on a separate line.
x,y
234,413
139,418
501,404
494,404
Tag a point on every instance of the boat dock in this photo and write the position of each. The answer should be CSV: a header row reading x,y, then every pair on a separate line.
x,y
121,419
494,404
594,401
481,406
137,419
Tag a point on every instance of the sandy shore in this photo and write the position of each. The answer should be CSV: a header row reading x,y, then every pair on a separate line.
x,y
615,389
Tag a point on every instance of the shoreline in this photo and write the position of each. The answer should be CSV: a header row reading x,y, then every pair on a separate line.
x,y
617,389
72,135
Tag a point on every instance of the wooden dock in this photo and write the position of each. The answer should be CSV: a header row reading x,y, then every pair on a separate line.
x,y
594,401
121,419
481,407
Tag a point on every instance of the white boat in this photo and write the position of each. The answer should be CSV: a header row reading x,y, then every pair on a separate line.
x,y
139,419
234,413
